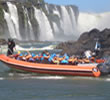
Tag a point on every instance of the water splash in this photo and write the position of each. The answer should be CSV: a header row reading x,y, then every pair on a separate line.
x,y
2,78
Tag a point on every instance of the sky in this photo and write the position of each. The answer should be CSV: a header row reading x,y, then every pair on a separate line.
x,y
97,6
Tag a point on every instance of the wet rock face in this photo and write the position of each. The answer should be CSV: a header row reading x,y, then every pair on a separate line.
x,y
87,41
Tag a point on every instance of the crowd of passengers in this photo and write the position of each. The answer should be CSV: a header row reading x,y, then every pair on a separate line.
x,y
46,57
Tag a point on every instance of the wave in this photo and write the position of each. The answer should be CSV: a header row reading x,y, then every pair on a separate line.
x,y
108,79
27,76
50,47
51,77
29,48
2,78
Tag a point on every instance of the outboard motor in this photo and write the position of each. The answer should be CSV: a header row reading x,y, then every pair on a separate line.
x,y
104,68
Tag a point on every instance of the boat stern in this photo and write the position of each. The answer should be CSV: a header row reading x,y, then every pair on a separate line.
x,y
96,72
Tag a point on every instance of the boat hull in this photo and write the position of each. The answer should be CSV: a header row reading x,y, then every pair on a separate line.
x,y
73,70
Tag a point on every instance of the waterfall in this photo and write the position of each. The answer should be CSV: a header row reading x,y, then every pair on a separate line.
x,y
46,7
29,34
50,22
67,24
46,32
63,20
14,18
56,12
73,20
10,24
55,27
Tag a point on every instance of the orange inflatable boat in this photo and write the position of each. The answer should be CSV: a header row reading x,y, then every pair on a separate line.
x,y
57,69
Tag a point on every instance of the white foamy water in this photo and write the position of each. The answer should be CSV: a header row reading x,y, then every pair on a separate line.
x,y
19,48
51,77
11,74
108,79
29,76
1,78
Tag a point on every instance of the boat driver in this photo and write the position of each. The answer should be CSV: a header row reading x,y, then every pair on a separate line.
x,y
11,45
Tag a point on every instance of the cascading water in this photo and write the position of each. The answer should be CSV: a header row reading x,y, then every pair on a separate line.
x,y
67,24
55,27
73,20
47,27
46,7
63,22
14,18
46,32
10,24
56,12
51,22
29,34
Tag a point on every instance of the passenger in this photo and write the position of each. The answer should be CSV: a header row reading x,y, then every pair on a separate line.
x,y
55,59
37,58
51,58
31,59
15,55
97,48
20,56
24,57
86,60
92,59
45,56
88,54
65,59
28,56
71,60
60,58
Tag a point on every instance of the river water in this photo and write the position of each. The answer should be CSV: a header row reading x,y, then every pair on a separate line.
x,y
29,86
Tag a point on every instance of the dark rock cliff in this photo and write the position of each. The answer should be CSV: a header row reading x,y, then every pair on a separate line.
x,y
87,41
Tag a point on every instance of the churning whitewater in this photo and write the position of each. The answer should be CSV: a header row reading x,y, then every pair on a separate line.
x,y
52,22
